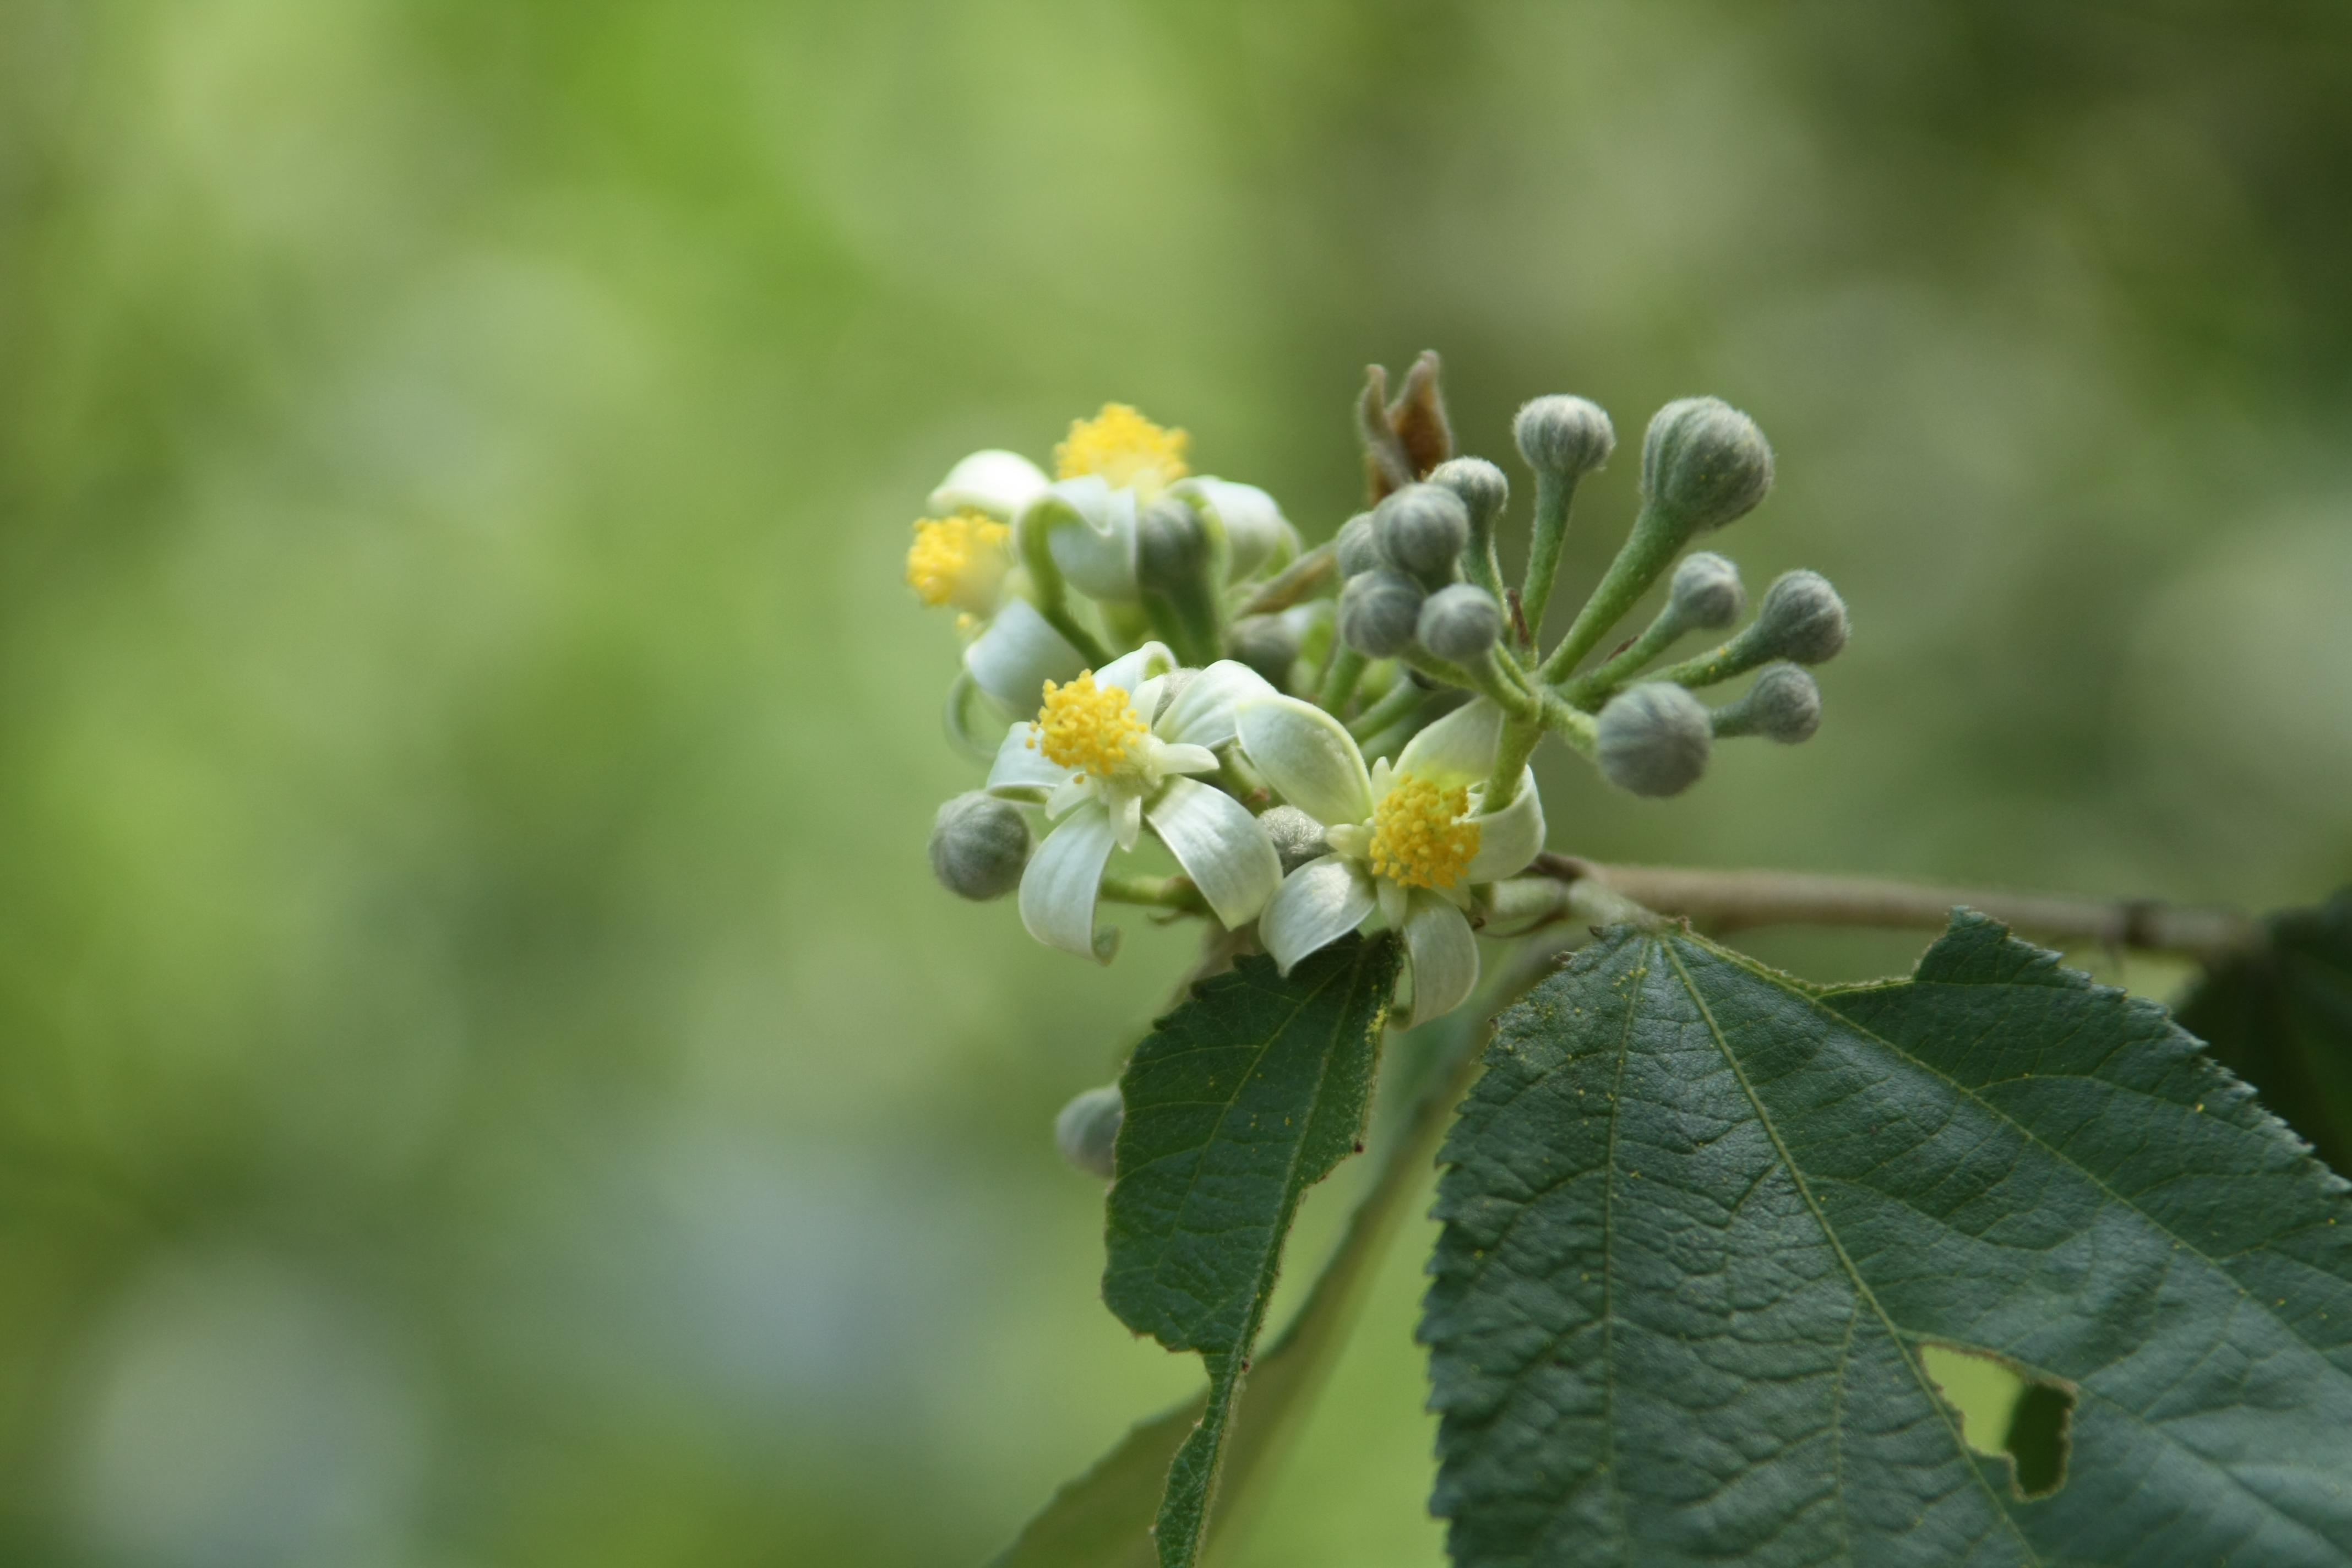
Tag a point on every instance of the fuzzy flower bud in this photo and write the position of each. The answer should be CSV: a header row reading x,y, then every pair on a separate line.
x,y
1087,1128
1267,644
1567,436
1653,739
1705,462
1379,612
1423,529
1707,592
1357,550
1296,836
1171,546
1459,623
1802,618
1784,705
978,846
1483,490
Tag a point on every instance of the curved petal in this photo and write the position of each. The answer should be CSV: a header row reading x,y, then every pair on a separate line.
x,y
1307,755
1316,905
1395,901
1510,838
1130,670
1444,956
1457,749
1058,890
1220,848
1090,533
997,483
1021,771
1256,530
1203,712
1018,653
1186,759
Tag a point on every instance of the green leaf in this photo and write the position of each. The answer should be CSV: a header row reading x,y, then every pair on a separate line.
x,y
1701,1222
1237,1103
2280,1018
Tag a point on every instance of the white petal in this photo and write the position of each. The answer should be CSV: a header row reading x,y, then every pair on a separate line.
x,y
1130,670
1127,820
1444,956
1457,749
1021,770
1396,901
1220,848
1307,756
1316,905
1018,653
1203,714
1254,529
1058,890
1090,532
1186,759
1509,838
1068,795
997,483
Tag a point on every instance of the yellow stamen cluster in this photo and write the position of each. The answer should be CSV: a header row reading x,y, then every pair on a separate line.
x,y
958,560
1418,835
1088,727
1125,448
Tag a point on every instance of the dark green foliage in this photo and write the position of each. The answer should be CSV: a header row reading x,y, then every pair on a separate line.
x,y
1700,1219
1237,1102
2281,1018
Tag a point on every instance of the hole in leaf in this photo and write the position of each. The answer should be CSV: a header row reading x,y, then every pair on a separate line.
x,y
2005,1413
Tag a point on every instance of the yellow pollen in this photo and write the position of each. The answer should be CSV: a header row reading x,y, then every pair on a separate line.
x,y
958,560
1088,727
1125,448
1419,838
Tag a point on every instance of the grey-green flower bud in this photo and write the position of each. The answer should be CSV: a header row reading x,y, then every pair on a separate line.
x,y
1484,488
1378,613
1171,545
1460,621
1802,618
1705,462
1296,836
1087,1129
1423,529
1707,592
978,846
1653,739
1267,644
1563,436
1784,705
1357,550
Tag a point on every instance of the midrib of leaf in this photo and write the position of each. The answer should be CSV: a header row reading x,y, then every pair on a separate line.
x,y
1863,1292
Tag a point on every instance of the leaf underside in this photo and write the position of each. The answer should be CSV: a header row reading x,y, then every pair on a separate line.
x,y
2281,1018
1237,1103
1700,1220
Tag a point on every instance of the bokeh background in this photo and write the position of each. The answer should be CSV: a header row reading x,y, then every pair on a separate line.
x,y
486,1078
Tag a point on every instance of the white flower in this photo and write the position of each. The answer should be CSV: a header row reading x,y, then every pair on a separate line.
x,y
1108,753
1406,841
997,484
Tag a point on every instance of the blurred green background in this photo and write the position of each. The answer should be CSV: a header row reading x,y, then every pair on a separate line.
x,y
487,1080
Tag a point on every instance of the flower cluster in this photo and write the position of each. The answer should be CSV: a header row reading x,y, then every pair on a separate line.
x,y
1339,738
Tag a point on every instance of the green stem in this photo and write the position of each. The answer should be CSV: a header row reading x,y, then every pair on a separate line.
x,y
1655,541
1401,702
1154,893
1297,581
1339,677
1553,496
1520,739
1589,690
1737,657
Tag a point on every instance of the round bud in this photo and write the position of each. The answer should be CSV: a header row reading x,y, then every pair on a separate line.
x,y
1802,618
1266,644
1563,436
1087,1128
1358,547
978,846
1459,623
1707,592
1378,613
1784,705
1482,487
1171,545
1296,836
1423,528
1705,462
1653,739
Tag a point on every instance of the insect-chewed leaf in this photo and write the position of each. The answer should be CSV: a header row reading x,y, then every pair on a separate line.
x,y
1237,1103
2280,1018
1700,1221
